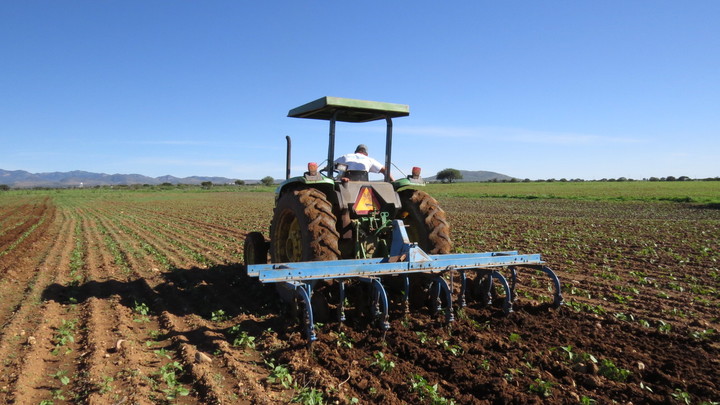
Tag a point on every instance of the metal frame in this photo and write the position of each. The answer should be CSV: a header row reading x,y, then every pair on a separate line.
x,y
405,258
336,109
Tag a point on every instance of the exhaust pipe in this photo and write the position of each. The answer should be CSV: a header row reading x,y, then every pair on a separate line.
x,y
287,159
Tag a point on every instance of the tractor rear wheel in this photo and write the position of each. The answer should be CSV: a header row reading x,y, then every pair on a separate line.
x,y
303,228
425,220
427,226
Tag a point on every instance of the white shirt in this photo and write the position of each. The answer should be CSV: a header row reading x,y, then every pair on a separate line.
x,y
358,161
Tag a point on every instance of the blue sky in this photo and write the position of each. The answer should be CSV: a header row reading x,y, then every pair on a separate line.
x,y
553,89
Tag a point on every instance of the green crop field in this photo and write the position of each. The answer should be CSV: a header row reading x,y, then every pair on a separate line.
x,y
706,192
139,295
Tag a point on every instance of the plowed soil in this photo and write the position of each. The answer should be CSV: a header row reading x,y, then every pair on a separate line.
x,y
140,297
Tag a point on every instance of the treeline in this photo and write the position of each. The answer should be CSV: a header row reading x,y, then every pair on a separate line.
x,y
163,186
669,178
269,181
564,180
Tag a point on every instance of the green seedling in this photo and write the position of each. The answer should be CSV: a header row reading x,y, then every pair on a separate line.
x,y
344,340
174,388
542,387
64,336
219,316
279,374
584,400
240,338
702,334
162,352
307,396
609,370
61,376
682,396
106,384
143,310
382,363
423,388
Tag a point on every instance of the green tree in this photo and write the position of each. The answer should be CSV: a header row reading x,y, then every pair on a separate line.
x,y
4,187
267,181
239,182
206,184
449,175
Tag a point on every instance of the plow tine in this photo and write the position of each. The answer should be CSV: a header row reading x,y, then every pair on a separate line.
x,y
440,286
507,306
485,288
513,272
304,292
558,298
379,303
463,289
341,307
406,297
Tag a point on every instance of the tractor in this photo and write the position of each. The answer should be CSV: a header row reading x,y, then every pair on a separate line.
x,y
333,226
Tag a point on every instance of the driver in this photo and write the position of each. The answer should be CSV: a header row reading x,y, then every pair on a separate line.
x,y
360,162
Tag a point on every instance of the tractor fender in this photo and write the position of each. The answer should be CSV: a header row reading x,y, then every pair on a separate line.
x,y
322,183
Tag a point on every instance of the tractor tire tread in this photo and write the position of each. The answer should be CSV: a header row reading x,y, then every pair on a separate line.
x,y
321,240
437,227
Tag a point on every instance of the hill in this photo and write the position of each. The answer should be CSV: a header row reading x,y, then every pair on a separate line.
x,y
477,176
76,178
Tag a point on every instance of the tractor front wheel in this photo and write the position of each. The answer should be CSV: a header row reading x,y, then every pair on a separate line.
x,y
255,249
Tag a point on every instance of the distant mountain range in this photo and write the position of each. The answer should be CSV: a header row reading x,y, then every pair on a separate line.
x,y
477,176
23,179
76,178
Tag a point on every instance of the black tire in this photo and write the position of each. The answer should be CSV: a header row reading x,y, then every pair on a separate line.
x,y
303,228
427,226
425,220
255,249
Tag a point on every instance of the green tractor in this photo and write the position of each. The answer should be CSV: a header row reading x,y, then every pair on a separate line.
x,y
336,214
330,216
335,228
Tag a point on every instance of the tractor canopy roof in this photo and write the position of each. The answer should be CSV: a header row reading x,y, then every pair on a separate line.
x,y
349,110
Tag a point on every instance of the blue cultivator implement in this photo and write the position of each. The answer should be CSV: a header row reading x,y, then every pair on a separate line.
x,y
339,227
405,258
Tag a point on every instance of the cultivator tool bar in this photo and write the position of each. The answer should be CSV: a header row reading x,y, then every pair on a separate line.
x,y
405,258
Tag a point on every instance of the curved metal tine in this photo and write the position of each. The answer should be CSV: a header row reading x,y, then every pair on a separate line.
x,y
444,288
406,298
485,291
381,303
435,296
304,291
341,307
374,300
513,283
558,299
463,288
507,305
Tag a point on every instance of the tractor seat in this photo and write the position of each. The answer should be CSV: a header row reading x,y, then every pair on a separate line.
x,y
356,175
